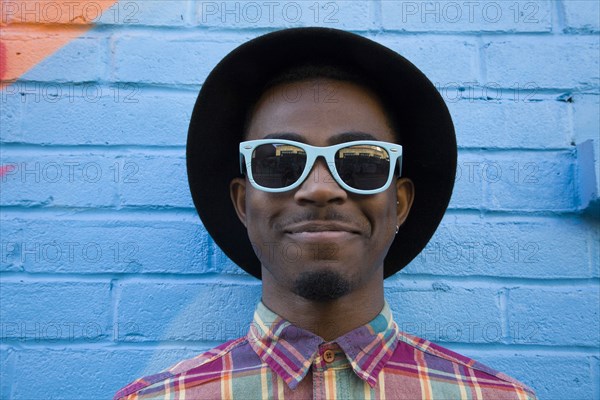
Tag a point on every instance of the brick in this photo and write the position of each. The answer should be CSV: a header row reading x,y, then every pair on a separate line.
x,y
444,60
446,313
87,180
94,373
98,12
509,124
109,244
552,376
71,114
10,117
53,12
508,180
556,317
147,12
468,185
595,363
486,16
536,248
83,59
47,312
581,15
530,181
543,61
173,59
148,185
6,370
186,311
71,245
347,15
63,180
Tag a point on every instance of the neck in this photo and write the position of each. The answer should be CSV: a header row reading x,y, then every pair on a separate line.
x,y
327,319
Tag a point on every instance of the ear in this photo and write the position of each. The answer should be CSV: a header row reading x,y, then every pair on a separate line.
x,y
405,192
237,191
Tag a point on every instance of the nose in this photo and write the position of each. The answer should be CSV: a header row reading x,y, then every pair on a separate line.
x,y
319,187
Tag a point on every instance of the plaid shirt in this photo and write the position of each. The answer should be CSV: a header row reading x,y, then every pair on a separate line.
x,y
277,360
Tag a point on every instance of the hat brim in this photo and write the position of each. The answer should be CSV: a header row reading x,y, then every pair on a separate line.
x,y
215,131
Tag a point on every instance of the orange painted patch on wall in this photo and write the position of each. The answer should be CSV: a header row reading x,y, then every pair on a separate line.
x,y
32,30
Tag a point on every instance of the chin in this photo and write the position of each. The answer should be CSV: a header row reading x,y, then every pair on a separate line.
x,y
322,286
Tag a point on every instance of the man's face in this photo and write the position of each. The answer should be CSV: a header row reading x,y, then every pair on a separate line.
x,y
319,241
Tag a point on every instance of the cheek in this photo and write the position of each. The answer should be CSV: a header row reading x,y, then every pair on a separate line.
x,y
254,212
383,217
262,210
385,205
257,233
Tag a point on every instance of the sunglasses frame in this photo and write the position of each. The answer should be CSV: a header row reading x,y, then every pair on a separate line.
x,y
328,153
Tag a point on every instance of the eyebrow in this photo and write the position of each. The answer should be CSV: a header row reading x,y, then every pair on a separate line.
x,y
335,139
286,136
350,137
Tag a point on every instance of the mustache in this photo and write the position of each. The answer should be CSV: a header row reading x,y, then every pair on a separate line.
x,y
327,215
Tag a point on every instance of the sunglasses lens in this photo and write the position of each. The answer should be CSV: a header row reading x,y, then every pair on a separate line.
x,y
363,167
277,165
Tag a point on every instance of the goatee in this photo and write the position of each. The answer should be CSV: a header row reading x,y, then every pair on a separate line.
x,y
321,286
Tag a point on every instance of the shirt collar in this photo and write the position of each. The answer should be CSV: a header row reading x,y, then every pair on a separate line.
x,y
290,350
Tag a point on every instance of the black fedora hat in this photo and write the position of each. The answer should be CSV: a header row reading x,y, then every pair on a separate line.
x,y
216,127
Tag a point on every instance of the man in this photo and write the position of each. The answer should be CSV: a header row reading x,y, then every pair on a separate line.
x,y
338,157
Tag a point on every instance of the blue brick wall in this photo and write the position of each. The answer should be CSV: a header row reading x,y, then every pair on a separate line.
x,y
107,273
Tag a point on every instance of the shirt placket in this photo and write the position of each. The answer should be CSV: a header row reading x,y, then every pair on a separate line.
x,y
328,361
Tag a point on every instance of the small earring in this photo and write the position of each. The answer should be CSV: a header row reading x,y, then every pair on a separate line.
x,y
397,229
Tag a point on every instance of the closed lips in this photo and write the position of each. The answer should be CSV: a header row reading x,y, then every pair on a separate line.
x,y
320,227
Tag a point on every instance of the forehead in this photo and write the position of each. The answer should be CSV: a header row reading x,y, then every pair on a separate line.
x,y
319,110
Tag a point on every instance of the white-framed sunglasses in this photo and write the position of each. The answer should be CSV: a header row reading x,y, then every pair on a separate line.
x,y
279,165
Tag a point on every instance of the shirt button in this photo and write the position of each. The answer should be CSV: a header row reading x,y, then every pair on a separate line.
x,y
328,356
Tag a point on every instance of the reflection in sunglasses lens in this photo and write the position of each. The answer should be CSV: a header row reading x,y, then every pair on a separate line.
x,y
277,165
363,167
